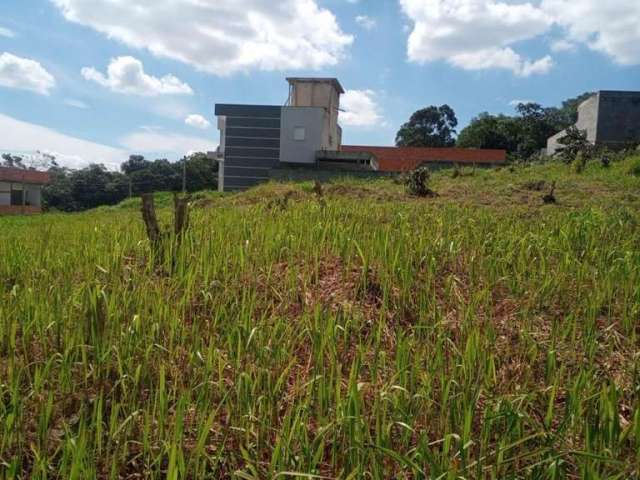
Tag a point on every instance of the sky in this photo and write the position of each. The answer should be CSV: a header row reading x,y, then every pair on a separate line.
x,y
93,81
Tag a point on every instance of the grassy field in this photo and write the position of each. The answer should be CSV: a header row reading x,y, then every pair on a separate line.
x,y
364,334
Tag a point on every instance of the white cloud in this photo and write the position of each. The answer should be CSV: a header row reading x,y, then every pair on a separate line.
x,y
24,73
127,75
76,103
366,22
167,144
359,109
221,36
475,34
516,102
69,151
197,121
5,32
482,34
610,27
562,45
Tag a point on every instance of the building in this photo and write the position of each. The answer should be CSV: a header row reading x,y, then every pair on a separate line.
x,y
403,159
610,119
21,190
302,139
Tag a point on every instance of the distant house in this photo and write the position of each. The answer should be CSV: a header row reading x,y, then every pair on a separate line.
x,y
610,119
21,190
303,140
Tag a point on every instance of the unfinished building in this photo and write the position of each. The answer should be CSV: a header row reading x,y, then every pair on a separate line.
x,y
609,118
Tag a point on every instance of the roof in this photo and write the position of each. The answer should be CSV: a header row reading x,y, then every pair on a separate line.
x,y
402,159
333,81
8,174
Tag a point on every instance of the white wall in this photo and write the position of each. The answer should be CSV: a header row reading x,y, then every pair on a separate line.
x,y
301,151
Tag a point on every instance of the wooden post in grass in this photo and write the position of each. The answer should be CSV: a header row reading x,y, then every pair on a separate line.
x,y
156,236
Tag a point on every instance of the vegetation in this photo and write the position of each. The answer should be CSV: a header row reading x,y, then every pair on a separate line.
x,y
477,334
430,127
523,135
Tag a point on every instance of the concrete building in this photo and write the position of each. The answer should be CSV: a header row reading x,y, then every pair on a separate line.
x,y
610,119
21,190
303,140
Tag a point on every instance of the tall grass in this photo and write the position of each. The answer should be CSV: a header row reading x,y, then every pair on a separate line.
x,y
376,338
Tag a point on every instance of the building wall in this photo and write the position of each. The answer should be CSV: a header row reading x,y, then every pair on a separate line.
x,y
311,119
588,117
400,159
5,193
618,118
324,95
250,144
32,193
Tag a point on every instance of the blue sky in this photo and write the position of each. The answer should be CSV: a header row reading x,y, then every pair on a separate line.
x,y
96,80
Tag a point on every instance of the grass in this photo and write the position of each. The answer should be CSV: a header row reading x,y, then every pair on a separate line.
x,y
478,334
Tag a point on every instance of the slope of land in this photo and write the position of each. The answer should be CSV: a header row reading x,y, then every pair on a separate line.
x,y
362,333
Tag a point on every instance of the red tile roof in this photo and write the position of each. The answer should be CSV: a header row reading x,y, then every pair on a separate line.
x,y
19,175
402,159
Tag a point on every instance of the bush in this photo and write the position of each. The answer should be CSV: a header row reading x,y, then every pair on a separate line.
x,y
579,163
634,168
417,182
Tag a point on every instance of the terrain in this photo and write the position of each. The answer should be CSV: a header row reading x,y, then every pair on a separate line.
x,y
351,331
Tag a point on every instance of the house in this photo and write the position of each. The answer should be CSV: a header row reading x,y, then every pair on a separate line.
x,y
21,190
610,119
303,140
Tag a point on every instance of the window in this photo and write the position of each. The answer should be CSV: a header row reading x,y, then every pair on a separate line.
x,y
299,134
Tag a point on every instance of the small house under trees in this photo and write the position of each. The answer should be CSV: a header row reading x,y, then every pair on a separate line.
x,y
21,190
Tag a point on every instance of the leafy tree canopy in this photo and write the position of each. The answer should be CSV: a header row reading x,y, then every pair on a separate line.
x,y
430,127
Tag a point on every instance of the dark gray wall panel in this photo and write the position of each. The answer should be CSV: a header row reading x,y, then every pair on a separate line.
x,y
239,182
253,122
252,142
247,172
251,152
253,132
256,111
250,162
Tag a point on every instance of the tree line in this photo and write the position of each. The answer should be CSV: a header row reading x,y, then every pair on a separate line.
x,y
522,136
72,190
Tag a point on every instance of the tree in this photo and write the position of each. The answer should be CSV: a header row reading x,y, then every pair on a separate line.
x,y
430,127
489,131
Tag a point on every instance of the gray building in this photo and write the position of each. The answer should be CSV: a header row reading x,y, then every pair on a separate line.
x,y
609,118
256,139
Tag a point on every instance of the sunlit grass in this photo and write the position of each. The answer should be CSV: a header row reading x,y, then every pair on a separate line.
x,y
479,334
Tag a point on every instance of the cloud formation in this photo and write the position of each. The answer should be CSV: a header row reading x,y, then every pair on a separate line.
x,y
221,36
25,74
360,109
166,144
366,22
69,151
484,34
197,121
127,75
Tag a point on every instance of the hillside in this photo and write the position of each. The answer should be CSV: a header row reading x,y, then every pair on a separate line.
x,y
361,334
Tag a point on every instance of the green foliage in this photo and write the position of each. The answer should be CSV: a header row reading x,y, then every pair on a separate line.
x,y
574,143
417,182
482,334
92,186
524,135
430,127
579,163
634,167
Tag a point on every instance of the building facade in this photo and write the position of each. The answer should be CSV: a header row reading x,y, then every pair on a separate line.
x,y
21,190
302,139
609,118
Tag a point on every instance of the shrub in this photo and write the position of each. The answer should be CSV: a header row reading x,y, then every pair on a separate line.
x,y
579,163
634,168
417,182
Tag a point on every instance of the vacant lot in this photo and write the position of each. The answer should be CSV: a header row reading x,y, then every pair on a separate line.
x,y
358,334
